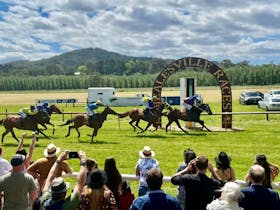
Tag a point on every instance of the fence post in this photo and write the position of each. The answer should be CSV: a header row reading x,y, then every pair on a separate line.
x,y
267,116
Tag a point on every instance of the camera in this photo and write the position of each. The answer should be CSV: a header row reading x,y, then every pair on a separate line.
x,y
72,154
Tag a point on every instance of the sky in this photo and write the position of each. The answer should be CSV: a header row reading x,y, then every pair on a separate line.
x,y
239,30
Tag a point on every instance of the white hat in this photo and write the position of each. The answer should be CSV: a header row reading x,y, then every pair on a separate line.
x,y
51,150
147,152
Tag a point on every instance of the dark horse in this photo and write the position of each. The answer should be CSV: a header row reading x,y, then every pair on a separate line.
x,y
192,115
50,110
137,114
83,119
29,123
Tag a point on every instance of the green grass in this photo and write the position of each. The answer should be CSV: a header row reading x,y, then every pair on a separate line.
x,y
118,140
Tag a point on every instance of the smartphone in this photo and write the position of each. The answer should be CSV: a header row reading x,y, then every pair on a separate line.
x,y
72,154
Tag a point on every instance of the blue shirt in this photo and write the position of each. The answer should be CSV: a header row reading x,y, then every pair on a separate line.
x,y
143,165
93,106
154,200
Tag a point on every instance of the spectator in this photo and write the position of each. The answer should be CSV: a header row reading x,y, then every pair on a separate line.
x,y
199,187
22,151
257,196
91,164
271,170
188,155
155,198
145,163
55,189
114,178
19,188
126,196
223,168
41,167
229,198
96,195
5,166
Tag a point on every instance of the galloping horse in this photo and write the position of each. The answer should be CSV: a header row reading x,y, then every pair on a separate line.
x,y
192,115
52,109
29,123
137,114
83,119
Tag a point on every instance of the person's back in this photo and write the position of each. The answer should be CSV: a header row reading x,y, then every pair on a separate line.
x,y
257,196
199,188
114,178
18,187
155,198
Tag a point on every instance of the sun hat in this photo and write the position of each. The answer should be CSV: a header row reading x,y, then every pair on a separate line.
x,y
59,186
17,160
223,158
147,152
51,150
96,179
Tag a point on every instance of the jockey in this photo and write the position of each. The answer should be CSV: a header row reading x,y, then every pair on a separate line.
x,y
189,102
43,107
148,103
24,112
90,107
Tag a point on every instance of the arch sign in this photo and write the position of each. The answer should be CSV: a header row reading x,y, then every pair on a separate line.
x,y
203,64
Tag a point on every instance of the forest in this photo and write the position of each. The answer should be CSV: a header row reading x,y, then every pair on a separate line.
x,y
85,68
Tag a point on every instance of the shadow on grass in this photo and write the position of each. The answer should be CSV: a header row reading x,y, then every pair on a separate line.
x,y
95,141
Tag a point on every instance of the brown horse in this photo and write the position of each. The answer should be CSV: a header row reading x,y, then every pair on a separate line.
x,y
83,119
137,114
192,115
29,123
50,110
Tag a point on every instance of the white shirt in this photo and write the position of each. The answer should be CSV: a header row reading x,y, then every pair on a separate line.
x,y
5,166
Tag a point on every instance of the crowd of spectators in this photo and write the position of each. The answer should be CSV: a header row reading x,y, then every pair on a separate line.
x,y
39,185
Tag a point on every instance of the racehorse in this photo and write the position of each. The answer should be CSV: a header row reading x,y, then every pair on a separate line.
x,y
29,123
137,114
192,115
52,109
83,119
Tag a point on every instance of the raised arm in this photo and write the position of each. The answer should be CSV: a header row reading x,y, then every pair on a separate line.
x,y
20,144
31,150
54,168
81,179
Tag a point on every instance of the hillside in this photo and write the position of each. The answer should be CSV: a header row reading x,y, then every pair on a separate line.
x,y
88,61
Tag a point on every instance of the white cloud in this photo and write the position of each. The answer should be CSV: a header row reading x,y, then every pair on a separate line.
x,y
212,29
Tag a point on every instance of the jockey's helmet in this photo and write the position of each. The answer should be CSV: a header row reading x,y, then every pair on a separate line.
x,y
145,99
99,102
186,100
45,104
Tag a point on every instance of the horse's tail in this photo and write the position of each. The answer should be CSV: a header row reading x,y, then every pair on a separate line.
x,y
68,122
1,122
122,115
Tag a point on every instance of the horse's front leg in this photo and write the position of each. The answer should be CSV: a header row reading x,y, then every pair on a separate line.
x,y
41,132
203,125
43,125
149,124
94,133
53,131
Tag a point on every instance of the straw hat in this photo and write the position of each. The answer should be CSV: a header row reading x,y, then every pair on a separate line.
x,y
51,150
147,152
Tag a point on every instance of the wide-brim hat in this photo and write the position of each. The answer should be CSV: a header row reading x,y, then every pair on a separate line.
x,y
51,150
59,186
223,158
147,152
96,179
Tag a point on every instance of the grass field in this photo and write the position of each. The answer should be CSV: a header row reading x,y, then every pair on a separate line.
x,y
116,138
